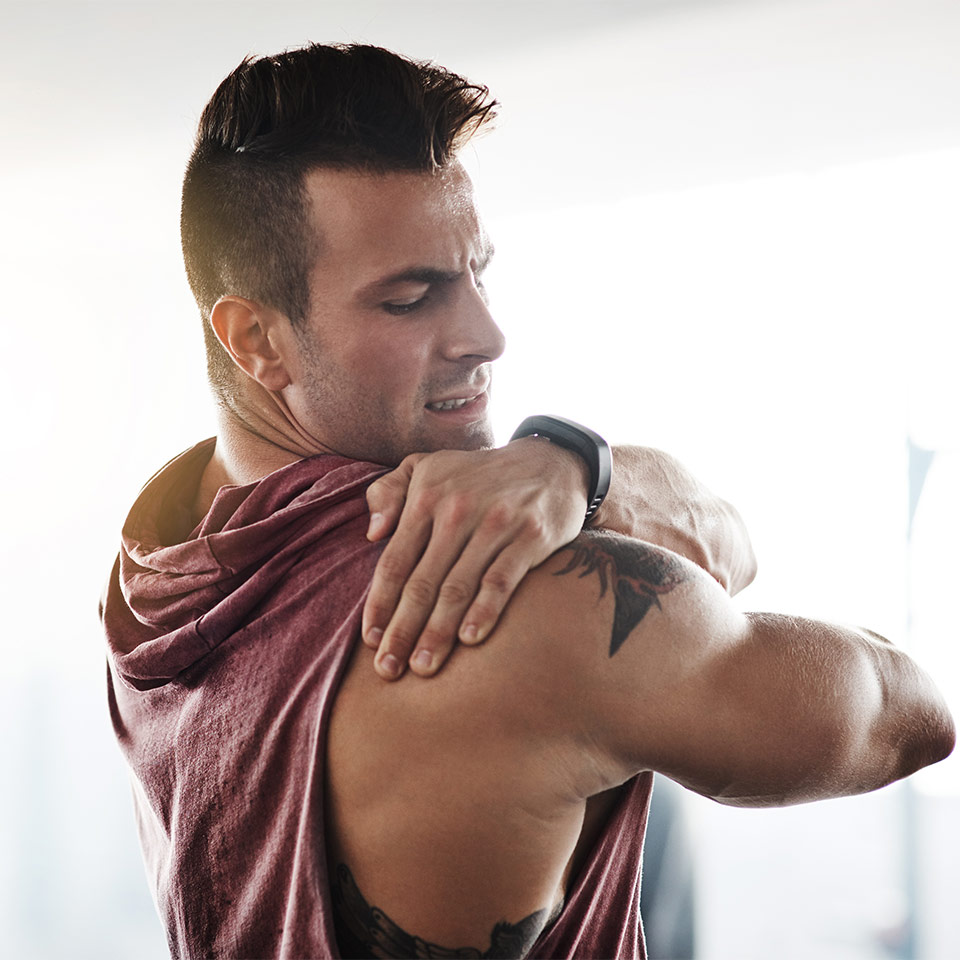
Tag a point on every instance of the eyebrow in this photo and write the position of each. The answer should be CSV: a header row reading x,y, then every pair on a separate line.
x,y
429,275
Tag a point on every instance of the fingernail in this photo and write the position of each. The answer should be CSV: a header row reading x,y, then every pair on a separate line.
x,y
477,633
376,521
422,659
373,637
469,633
390,665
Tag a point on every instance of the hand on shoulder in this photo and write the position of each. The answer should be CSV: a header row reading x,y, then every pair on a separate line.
x,y
466,528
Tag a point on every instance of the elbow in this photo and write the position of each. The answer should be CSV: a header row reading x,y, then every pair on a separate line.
x,y
946,739
915,724
932,740
888,722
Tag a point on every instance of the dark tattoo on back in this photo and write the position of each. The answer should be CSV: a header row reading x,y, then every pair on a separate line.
x,y
366,931
637,572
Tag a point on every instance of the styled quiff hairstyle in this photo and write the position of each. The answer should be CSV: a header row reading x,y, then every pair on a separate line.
x,y
244,220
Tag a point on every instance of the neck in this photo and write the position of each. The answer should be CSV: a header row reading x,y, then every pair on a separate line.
x,y
253,439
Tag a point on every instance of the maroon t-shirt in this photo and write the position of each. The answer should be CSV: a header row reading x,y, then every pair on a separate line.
x,y
227,644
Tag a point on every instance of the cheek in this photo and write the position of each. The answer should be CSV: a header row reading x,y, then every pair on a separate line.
x,y
395,363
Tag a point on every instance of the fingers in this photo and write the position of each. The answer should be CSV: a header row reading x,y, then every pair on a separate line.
x,y
386,497
410,599
433,620
496,588
393,570
430,613
467,526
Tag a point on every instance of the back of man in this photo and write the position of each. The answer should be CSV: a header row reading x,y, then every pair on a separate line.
x,y
467,812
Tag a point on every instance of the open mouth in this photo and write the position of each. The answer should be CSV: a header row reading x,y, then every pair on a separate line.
x,y
456,404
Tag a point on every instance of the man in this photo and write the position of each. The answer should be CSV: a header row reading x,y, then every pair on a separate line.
x,y
290,801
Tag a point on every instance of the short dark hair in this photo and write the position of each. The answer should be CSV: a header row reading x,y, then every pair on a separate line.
x,y
244,224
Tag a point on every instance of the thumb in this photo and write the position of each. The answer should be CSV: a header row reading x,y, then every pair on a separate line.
x,y
386,497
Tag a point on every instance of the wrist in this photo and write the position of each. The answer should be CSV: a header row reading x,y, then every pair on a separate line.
x,y
590,447
565,467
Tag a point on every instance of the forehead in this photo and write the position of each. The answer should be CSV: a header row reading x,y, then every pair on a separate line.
x,y
367,223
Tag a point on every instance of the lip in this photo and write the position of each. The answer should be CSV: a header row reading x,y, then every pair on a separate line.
x,y
473,394
474,409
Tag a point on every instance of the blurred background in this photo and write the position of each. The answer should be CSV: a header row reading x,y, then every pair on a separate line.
x,y
727,228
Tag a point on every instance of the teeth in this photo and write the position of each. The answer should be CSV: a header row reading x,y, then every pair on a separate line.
x,y
450,404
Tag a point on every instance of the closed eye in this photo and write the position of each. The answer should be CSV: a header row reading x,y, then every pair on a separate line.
x,y
398,308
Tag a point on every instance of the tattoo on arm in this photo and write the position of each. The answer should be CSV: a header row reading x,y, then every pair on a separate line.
x,y
366,931
637,572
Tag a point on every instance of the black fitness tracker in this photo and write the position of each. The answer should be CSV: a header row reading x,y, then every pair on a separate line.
x,y
582,441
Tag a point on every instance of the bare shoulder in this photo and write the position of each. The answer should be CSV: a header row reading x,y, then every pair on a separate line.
x,y
620,633
592,634
633,576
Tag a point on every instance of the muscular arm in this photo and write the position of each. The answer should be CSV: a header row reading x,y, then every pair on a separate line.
x,y
755,709
615,656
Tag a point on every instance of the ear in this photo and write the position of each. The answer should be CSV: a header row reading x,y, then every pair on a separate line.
x,y
250,333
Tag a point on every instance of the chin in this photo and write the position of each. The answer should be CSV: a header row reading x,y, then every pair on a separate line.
x,y
475,436
478,436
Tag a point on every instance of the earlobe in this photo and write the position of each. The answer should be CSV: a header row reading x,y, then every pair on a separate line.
x,y
244,329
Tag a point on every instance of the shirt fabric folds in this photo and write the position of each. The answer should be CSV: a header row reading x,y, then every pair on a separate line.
x,y
226,646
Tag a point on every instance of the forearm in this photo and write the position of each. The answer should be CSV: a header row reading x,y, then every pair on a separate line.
x,y
654,497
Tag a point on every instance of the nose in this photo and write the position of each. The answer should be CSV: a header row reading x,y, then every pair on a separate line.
x,y
471,331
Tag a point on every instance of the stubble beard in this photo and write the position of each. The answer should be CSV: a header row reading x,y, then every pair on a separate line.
x,y
376,433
